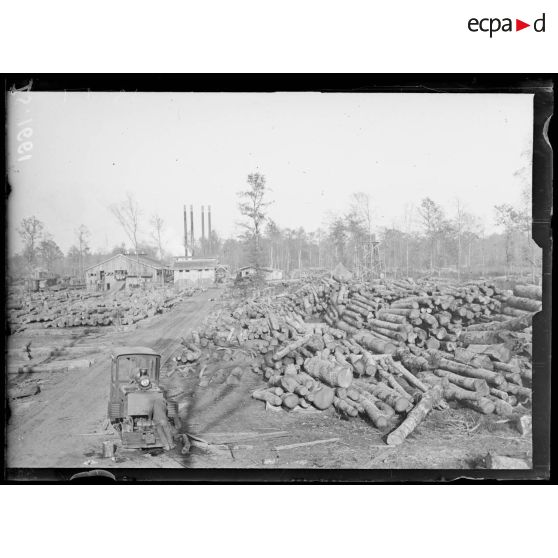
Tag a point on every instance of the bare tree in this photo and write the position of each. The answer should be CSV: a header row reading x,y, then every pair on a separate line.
x,y
408,223
128,214
274,236
31,231
510,220
531,249
459,223
432,220
470,232
82,236
362,207
482,236
157,229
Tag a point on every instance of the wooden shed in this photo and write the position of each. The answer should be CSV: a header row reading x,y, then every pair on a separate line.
x,y
269,274
190,272
124,271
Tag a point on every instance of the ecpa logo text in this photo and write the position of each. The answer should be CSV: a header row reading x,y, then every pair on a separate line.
x,y
494,24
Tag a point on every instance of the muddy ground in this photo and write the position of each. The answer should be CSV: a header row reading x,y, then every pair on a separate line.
x,y
65,424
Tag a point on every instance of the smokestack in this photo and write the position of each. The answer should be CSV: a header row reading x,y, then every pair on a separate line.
x,y
209,228
185,233
192,228
203,230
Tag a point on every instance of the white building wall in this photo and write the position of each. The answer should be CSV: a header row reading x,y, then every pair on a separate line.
x,y
194,277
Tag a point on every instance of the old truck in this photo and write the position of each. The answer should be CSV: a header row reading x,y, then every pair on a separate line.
x,y
138,407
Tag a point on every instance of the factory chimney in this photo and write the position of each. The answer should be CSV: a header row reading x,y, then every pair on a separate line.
x,y
185,233
203,230
192,229
209,229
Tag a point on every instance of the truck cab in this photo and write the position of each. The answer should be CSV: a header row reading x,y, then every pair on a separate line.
x,y
135,395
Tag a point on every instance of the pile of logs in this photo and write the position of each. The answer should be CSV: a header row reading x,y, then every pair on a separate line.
x,y
67,308
388,352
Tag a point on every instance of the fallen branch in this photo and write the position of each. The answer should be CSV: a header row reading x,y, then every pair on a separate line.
x,y
304,444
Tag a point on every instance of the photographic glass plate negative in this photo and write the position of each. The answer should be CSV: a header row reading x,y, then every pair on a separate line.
x,y
289,279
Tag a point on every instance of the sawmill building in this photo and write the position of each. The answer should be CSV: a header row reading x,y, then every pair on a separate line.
x,y
125,271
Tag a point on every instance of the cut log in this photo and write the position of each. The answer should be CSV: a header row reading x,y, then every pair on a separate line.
x,y
519,391
479,337
473,359
389,325
388,334
410,313
511,367
452,391
498,352
369,363
330,373
387,395
398,369
512,377
432,343
415,416
515,324
374,344
345,407
494,378
413,363
533,292
521,303
513,312
475,384
292,347
265,395
321,398
483,405
373,413
408,303
289,400
500,394
393,318
501,407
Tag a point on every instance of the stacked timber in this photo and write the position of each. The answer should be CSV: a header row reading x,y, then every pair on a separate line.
x,y
388,352
68,308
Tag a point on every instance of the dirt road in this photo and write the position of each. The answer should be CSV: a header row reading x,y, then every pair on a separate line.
x,y
63,426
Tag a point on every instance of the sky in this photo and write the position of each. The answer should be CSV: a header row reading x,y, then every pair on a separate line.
x,y
315,149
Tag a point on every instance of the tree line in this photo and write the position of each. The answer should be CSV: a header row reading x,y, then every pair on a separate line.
x,y
426,239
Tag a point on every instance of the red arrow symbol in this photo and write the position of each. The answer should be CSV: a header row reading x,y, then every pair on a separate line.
x,y
519,25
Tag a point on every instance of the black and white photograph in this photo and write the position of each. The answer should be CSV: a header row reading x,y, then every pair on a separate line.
x,y
287,280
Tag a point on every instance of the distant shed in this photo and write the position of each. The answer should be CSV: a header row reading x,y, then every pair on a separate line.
x,y
269,274
222,273
190,272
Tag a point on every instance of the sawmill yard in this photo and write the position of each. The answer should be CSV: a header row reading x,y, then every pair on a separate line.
x,y
328,372
360,305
